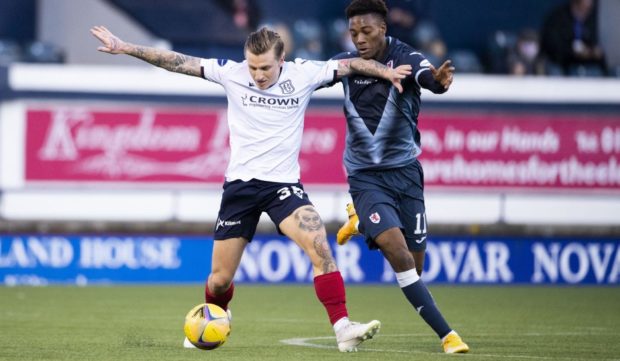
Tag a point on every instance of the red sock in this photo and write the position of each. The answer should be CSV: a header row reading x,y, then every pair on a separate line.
x,y
220,300
329,289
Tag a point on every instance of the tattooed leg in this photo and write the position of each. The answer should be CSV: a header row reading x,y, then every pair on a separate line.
x,y
306,228
321,247
308,219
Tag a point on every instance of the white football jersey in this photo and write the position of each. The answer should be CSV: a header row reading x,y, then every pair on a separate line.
x,y
266,125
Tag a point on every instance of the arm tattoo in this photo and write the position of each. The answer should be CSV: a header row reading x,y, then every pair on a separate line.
x,y
166,59
358,65
344,67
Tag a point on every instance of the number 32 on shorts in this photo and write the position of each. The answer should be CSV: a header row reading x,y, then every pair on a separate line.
x,y
285,192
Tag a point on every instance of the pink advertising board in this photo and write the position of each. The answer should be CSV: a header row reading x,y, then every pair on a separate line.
x,y
529,150
525,150
147,145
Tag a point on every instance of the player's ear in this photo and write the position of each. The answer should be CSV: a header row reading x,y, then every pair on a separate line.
x,y
282,57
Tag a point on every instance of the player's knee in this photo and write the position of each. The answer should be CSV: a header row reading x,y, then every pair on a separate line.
x,y
400,260
219,283
404,262
394,248
418,257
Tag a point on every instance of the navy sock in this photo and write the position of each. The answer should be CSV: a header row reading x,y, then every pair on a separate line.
x,y
421,299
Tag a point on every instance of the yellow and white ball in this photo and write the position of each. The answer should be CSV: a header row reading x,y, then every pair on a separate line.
x,y
207,326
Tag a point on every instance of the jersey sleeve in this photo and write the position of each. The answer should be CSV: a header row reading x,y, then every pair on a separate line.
x,y
215,70
320,73
419,65
421,72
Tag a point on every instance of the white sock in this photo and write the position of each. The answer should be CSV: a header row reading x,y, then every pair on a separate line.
x,y
449,333
407,278
341,323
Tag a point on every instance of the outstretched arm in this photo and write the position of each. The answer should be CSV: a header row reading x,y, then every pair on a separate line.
x,y
438,80
375,69
166,59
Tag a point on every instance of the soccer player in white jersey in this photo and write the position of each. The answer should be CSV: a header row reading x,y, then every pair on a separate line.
x,y
267,98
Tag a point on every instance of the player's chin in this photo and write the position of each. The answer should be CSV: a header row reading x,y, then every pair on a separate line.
x,y
365,54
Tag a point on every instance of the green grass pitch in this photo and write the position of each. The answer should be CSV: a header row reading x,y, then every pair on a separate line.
x,y
288,323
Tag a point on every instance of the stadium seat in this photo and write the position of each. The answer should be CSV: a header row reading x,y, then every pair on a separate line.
x,y
424,33
308,36
338,38
41,52
585,71
553,69
10,52
465,61
498,46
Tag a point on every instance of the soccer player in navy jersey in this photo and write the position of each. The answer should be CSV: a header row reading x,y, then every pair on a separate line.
x,y
267,98
385,178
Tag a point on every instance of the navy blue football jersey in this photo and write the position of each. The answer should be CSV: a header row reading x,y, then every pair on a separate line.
x,y
382,124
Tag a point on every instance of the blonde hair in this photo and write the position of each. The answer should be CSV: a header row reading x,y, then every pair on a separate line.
x,y
263,40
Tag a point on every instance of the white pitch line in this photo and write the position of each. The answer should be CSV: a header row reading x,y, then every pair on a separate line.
x,y
307,342
303,341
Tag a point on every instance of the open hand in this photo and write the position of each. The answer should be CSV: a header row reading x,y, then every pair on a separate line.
x,y
399,73
111,43
445,74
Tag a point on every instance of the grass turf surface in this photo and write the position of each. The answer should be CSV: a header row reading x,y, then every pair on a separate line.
x,y
146,323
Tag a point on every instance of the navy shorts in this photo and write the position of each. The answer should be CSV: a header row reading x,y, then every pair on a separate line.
x,y
243,203
390,198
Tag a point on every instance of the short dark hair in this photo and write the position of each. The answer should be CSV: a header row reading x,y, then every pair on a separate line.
x,y
363,7
263,40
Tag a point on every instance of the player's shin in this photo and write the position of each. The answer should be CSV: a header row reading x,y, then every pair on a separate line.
x,y
419,296
329,288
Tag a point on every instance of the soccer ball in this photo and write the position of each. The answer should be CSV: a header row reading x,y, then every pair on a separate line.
x,y
207,326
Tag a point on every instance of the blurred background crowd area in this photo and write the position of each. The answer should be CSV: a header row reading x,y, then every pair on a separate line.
x,y
519,37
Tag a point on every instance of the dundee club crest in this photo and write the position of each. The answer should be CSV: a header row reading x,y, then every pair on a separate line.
x,y
375,218
287,87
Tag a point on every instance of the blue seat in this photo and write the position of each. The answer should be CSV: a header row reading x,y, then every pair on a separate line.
x,y
585,71
42,52
498,48
465,61
308,38
10,52
423,33
553,69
